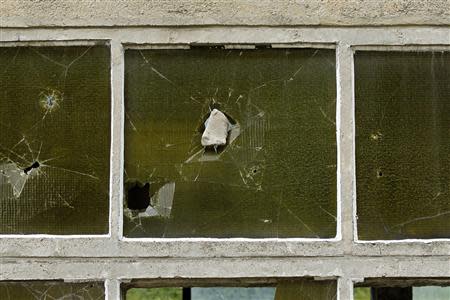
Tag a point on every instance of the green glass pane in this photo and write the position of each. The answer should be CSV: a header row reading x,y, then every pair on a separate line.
x,y
276,175
46,290
402,144
54,139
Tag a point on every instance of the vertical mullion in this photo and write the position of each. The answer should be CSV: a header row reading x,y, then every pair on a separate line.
x,y
117,139
345,289
112,289
345,142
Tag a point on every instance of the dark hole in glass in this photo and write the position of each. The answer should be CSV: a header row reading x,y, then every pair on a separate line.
x,y
138,196
217,149
35,165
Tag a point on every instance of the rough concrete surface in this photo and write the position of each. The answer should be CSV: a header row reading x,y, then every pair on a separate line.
x,y
48,13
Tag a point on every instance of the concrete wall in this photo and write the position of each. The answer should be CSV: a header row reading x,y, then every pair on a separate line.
x,y
45,13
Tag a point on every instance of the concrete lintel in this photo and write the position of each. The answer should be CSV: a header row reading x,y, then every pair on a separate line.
x,y
206,268
105,247
354,36
108,247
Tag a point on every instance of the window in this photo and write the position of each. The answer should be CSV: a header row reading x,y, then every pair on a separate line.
x,y
55,139
31,290
276,174
401,140
269,289
116,104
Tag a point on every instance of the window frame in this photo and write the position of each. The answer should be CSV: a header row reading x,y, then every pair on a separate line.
x,y
115,259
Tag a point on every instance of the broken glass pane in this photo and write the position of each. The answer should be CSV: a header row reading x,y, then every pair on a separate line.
x,y
402,144
54,290
285,290
230,143
54,139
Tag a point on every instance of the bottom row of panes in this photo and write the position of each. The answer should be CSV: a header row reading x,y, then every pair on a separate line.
x,y
304,289
246,290
51,290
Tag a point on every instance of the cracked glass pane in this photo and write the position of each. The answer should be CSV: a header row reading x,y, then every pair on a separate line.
x,y
230,143
285,290
54,139
54,290
402,144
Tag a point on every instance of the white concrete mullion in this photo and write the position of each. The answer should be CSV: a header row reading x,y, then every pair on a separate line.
x,y
112,289
117,140
345,289
345,142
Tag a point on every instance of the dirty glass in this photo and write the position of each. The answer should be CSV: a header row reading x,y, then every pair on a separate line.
x,y
402,144
54,139
54,290
290,290
272,172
